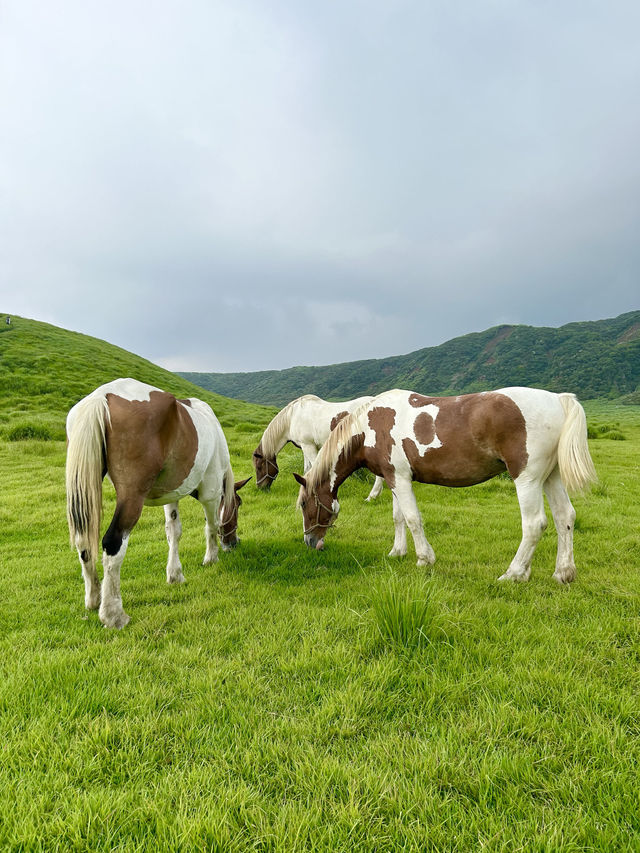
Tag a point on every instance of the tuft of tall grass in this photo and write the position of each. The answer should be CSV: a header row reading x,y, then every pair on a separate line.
x,y
405,612
31,432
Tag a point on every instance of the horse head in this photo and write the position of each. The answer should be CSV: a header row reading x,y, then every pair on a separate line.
x,y
266,468
229,518
319,511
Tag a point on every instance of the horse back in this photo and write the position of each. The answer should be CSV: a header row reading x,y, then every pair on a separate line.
x,y
449,441
151,444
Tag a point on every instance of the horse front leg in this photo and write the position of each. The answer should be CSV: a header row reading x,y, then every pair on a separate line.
x,y
173,529
534,523
407,503
564,517
211,511
309,453
400,539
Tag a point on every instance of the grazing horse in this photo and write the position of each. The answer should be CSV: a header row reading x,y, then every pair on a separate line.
x,y
155,449
305,422
539,437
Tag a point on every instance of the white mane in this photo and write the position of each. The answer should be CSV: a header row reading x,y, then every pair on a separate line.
x,y
272,437
340,439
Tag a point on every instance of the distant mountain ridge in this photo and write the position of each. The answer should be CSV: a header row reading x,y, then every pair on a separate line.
x,y
598,358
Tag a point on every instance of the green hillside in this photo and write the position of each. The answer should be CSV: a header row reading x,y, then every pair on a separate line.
x,y
592,359
270,703
44,370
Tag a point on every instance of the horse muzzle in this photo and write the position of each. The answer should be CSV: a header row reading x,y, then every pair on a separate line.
x,y
312,541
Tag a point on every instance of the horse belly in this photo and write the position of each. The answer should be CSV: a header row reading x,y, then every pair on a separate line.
x,y
441,467
162,493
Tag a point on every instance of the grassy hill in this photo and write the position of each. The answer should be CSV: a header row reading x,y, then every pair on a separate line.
x,y
261,706
592,359
44,370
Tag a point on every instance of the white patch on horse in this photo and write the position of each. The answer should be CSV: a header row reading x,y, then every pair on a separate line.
x,y
404,427
209,434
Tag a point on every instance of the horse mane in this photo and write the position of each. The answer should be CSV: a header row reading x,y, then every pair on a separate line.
x,y
272,436
228,489
341,439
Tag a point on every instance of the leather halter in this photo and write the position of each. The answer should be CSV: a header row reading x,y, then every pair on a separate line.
x,y
320,506
267,475
221,526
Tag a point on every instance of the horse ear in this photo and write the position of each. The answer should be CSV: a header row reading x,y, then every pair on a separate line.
x,y
240,484
301,480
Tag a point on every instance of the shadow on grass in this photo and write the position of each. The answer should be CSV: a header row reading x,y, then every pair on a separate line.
x,y
292,563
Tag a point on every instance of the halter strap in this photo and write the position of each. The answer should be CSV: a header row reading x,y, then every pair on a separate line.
x,y
222,524
267,475
333,515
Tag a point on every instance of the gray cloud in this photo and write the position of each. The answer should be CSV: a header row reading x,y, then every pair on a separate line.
x,y
238,187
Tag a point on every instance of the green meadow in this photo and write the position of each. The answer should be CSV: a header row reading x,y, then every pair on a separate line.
x,y
292,700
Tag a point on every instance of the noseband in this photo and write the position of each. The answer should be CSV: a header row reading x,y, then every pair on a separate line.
x,y
333,515
267,475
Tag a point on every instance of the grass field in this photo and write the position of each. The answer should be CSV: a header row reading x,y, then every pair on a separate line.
x,y
258,707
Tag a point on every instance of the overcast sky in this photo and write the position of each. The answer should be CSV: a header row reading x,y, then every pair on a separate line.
x,y
248,185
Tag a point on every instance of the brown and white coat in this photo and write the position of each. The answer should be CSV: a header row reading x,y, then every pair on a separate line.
x,y
155,449
537,436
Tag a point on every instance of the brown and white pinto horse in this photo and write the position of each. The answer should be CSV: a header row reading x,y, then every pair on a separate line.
x,y
305,422
156,450
539,437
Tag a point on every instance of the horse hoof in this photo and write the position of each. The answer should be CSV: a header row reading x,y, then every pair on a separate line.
x,y
176,579
426,561
119,621
515,578
564,576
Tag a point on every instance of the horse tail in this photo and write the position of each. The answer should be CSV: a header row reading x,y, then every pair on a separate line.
x,y
85,463
574,460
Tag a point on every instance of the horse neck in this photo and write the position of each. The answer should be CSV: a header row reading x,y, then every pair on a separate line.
x,y
276,434
349,458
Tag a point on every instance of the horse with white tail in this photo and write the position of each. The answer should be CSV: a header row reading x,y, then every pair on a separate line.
x,y
155,449
305,422
539,437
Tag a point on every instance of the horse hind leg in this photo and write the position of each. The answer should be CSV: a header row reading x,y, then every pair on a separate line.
x,y
114,544
564,517
173,529
210,532
534,523
376,489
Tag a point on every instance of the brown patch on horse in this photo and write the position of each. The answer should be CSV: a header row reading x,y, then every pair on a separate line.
x,y
145,457
381,421
481,435
424,428
336,420
419,400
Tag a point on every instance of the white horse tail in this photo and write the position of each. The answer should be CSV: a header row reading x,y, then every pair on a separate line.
x,y
574,460
85,462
